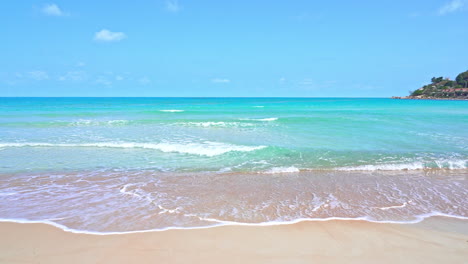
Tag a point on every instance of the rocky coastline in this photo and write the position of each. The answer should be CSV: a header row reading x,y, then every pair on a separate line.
x,y
441,88
462,98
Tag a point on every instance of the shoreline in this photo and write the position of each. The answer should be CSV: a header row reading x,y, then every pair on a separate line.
x,y
367,169
434,240
149,202
220,223
427,98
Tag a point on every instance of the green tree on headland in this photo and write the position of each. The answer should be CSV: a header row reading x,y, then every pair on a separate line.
x,y
416,93
450,84
436,80
443,88
462,79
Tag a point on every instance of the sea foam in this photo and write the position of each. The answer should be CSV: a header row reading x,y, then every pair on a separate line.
x,y
217,222
275,170
206,148
172,111
88,122
418,165
260,119
217,124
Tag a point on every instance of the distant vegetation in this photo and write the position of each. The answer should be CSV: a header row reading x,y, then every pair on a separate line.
x,y
443,88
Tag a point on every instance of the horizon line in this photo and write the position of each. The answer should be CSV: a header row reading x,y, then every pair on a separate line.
x,y
346,97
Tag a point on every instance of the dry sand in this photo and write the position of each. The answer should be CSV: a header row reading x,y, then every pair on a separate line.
x,y
437,240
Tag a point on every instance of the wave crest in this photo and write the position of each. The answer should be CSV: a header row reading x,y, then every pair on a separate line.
x,y
275,170
437,164
87,122
206,148
260,119
217,124
172,111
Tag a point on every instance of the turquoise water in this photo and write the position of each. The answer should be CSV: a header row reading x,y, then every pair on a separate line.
x,y
106,165
264,135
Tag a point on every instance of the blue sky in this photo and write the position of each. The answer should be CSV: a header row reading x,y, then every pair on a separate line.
x,y
229,48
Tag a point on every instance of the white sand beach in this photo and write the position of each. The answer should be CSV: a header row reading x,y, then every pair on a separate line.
x,y
435,240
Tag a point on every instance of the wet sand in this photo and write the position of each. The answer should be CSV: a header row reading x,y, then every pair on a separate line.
x,y
435,240
109,201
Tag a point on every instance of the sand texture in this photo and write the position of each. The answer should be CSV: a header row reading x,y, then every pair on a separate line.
x,y
437,240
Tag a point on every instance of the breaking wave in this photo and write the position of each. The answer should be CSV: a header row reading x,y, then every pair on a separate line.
x,y
275,170
87,122
260,119
217,124
172,111
206,148
419,165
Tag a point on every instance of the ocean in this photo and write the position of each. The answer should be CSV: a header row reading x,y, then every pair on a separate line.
x,y
112,165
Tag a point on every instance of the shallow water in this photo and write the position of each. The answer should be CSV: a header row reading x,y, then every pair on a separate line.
x,y
123,201
231,134
128,164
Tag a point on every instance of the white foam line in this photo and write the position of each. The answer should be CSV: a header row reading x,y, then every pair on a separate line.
x,y
8,194
216,124
170,211
418,219
87,122
260,119
280,170
172,111
205,149
395,206
75,231
440,164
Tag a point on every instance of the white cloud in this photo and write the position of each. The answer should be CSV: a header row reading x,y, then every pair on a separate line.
x,y
109,36
119,78
80,64
53,10
38,75
144,81
451,6
104,81
74,76
219,80
173,6
282,80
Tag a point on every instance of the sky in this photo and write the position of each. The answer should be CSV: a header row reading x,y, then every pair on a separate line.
x,y
256,48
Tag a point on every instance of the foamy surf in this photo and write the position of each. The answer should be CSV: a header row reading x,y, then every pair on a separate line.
x,y
87,122
218,223
123,168
129,201
216,124
276,170
206,148
260,119
213,222
171,111
446,164
395,206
